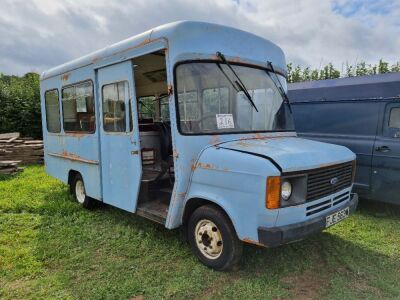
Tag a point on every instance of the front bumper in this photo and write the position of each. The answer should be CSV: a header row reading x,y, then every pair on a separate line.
x,y
272,237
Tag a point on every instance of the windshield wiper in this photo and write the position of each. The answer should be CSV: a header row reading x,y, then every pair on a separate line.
x,y
280,86
227,78
240,85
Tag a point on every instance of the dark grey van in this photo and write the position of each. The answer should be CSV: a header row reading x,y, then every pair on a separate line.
x,y
363,114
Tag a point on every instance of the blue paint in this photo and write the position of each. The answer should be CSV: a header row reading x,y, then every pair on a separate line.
x,y
228,169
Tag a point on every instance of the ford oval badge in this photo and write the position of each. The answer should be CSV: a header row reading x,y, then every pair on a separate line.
x,y
334,180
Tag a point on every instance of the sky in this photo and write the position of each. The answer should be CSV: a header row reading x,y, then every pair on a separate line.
x,y
36,35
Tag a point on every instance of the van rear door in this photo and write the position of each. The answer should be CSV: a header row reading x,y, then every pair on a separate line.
x,y
386,157
121,167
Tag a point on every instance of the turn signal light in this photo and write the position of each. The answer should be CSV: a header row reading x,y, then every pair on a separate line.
x,y
273,194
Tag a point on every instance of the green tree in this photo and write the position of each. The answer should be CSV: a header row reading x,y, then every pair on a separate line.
x,y
306,74
20,104
383,67
349,70
296,75
395,67
314,74
362,69
289,72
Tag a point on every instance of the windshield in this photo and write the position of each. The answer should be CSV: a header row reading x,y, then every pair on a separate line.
x,y
209,103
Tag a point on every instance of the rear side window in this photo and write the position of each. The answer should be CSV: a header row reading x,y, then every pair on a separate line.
x,y
53,122
394,119
78,108
114,108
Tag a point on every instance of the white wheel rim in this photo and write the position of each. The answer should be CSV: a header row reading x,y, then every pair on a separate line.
x,y
208,239
80,191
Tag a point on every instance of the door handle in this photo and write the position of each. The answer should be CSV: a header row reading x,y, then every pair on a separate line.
x,y
135,152
382,149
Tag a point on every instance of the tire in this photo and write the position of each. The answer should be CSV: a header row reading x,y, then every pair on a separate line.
x,y
221,249
78,191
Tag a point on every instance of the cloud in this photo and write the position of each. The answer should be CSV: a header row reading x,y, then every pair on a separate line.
x,y
39,34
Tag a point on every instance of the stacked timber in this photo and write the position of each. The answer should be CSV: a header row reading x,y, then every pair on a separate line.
x,y
21,149
9,167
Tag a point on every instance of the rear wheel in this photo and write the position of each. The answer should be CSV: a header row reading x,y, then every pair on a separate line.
x,y
213,238
79,192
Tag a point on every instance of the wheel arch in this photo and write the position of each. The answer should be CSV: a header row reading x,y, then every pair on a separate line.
x,y
195,202
71,175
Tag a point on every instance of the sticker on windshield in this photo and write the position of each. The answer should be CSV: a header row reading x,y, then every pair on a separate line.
x,y
225,121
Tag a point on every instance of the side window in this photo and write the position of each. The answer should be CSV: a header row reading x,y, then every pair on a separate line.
x,y
114,107
391,124
394,118
52,111
78,108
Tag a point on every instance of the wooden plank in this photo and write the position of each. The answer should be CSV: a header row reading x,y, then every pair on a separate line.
x,y
10,169
6,163
12,139
33,142
7,136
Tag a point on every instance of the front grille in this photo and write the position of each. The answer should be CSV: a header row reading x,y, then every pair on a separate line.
x,y
324,205
319,182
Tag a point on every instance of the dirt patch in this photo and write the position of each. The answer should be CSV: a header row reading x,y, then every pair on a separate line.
x,y
306,285
361,287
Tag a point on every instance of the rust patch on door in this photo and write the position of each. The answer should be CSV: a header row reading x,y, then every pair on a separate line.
x,y
73,157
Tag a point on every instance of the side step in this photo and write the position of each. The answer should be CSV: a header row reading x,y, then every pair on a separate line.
x,y
155,210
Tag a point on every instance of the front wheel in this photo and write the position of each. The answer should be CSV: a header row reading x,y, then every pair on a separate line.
x,y
213,238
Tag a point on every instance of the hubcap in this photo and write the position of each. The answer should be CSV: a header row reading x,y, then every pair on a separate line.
x,y
80,191
208,239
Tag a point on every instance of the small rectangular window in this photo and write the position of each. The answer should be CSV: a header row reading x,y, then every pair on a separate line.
x,y
394,119
78,108
52,111
114,107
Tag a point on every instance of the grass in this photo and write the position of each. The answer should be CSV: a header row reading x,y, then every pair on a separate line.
x,y
50,248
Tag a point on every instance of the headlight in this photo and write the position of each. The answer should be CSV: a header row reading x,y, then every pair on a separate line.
x,y
286,190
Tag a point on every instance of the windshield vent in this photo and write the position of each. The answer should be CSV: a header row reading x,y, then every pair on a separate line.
x,y
326,181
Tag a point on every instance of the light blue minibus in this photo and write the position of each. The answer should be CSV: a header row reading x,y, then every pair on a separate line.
x,y
188,124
